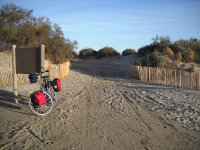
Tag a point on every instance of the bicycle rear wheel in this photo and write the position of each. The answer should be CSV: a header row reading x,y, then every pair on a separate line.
x,y
43,109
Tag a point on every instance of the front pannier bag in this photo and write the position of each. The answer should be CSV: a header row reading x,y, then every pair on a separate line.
x,y
38,98
33,77
56,84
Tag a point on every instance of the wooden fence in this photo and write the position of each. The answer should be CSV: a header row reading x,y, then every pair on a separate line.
x,y
165,76
6,75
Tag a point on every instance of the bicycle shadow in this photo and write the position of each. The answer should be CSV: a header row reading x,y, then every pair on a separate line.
x,y
7,101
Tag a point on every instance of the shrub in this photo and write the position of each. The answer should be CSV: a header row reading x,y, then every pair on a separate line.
x,y
165,62
127,52
178,57
87,52
144,61
146,50
191,56
154,59
169,52
107,51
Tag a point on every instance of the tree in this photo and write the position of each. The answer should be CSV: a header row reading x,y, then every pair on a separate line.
x,y
12,17
128,52
18,26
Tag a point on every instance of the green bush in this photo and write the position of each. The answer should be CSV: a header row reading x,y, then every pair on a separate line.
x,y
144,61
153,59
156,60
146,50
107,51
127,52
165,62
84,53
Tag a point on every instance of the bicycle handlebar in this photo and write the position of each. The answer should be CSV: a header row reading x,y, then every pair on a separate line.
x,y
42,68
44,71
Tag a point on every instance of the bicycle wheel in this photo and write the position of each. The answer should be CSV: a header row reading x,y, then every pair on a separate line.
x,y
43,109
52,93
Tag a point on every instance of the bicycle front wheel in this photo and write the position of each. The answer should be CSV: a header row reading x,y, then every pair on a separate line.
x,y
53,94
43,109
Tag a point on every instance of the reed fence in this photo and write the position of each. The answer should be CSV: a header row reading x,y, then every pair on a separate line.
x,y
165,76
59,70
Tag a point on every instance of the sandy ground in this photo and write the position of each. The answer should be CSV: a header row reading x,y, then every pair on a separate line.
x,y
101,107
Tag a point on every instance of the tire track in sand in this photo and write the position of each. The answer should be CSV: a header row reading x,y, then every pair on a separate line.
x,y
176,132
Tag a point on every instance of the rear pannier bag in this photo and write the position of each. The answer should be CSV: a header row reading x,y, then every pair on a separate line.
x,y
38,98
56,84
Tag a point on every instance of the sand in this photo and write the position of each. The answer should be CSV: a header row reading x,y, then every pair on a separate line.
x,y
102,107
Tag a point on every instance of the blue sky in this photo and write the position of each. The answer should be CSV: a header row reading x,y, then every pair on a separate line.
x,y
119,23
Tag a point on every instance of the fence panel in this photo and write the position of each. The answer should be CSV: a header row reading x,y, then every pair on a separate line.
x,y
55,71
164,76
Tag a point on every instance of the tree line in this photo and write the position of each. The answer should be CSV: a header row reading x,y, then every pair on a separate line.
x,y
19,27
104,52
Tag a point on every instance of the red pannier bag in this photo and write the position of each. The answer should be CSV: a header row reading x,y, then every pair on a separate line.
x,y
56,84
40,98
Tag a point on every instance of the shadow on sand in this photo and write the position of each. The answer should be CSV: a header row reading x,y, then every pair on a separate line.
x,y
114,71
7,102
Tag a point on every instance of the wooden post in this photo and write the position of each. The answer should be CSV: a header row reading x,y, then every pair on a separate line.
x,y
14,74
180,80
175,79
166,76
149,78
198,81
43,56
157,79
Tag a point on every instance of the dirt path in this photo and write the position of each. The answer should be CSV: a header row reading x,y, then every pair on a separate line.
x,y
102,108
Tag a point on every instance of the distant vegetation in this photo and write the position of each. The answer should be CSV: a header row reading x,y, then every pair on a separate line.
x,y
87,52
164,53
129,51
18,26
107,51
104,52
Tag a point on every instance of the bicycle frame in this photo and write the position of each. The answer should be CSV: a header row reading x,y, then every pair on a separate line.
x,y
45,84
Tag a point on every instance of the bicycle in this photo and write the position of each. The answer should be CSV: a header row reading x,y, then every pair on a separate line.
x,y
46,89
47,85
